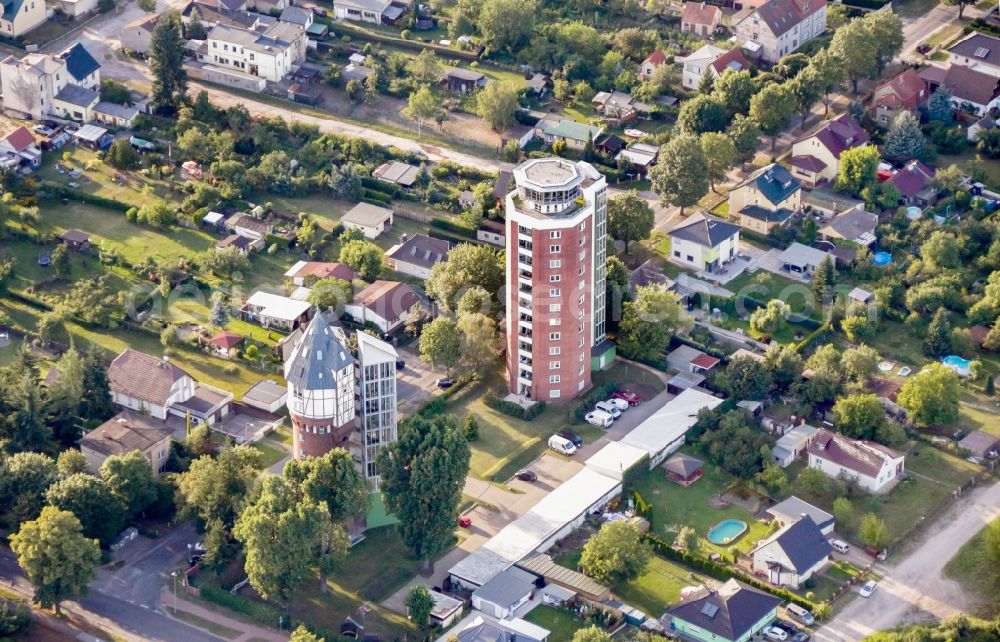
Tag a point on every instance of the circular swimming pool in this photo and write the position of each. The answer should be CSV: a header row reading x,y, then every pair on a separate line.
x,y
727,531
881,258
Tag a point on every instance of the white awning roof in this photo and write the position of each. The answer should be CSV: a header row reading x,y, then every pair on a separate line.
x,y
615,459
277,306
670,422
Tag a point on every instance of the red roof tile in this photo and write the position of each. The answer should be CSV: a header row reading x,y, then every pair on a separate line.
x,y
732,57
701,13
226,340
20,139
902,90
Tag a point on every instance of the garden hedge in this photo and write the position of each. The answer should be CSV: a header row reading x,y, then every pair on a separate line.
x,y
514,410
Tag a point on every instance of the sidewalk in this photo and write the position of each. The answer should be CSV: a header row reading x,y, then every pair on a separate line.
x,y
207,619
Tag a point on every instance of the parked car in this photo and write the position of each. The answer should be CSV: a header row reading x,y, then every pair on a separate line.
x,y
572,437
775,633
599,418
608,407
786,626
562,445
801,636
464,521
868,588
923,48
803,615
840,546
444,383
42,129
621,404
400,364
627,395
526,475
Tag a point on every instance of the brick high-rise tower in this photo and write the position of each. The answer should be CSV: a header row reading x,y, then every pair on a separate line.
x,y
321,381
556,255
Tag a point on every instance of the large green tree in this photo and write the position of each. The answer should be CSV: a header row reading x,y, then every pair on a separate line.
x,y
468,265
931,396
720,155
419,604
784,364
771,108
479,341
629,217
649,321
904,141
217,488
506,24
440,343
166,54
332,480
422,106
129,476
24,479
733,89
496,103
701,114
363,256
857,168
937,341
681,176
859,416
100,513
616,553
872,531
745,135
747,378
423,474
853,46
57,557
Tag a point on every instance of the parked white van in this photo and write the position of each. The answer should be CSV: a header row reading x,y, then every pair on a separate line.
x,y
562,445
796,612
610,408
840,546
599,418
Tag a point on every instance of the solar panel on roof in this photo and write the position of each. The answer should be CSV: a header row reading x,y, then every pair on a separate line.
x,y
709,609
981,52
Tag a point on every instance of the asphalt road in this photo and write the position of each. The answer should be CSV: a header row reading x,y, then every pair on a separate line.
x,y
914,588
125,601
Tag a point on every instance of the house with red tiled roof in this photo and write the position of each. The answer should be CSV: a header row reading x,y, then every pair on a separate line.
x,y
700,18
972,92
816,156
780,27
874,467
310,271
915,182
713,60
18,148
387,304
906,90
652,62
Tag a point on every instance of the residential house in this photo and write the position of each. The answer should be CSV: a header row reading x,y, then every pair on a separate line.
x,y
816,157
698,63
21,16
649,273
904,91
828,203
373,11
75,8
780,27
981,445
552,128
538,84
618,106
372,220
973,92
793,555
766,199
609,144
249,227
793,509
700,18
299,16
792,445
464,81
492,630
417,254
734,612
75,240
915,182
387,304
492,232
305,272
83,69
855,226
137,34
75,102
640,158
114,114
64,85
687,359
704,242
979,52
267,54
504,593
802,260
124,433
652,62
241,243
872,466
275,311
18,148
397,173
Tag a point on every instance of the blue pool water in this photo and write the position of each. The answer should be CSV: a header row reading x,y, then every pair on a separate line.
x,y
958,364
726,531
882,258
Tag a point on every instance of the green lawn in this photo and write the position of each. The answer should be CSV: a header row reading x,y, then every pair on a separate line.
x,y
968,162
898,343
658,587
561,623
675,506
843,571
100,178
971,566
639,380
974,418
914,8
271,453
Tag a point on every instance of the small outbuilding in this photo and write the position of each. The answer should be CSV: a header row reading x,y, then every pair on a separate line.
x,y
504,593
226,344
75,240
683,469
981,445
372,220
267,396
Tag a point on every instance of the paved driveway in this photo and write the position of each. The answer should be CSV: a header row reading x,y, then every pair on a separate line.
x,y
416,381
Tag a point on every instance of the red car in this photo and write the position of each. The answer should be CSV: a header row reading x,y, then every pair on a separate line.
x,y
464,521
627,395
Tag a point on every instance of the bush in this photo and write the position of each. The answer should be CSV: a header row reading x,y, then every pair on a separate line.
x,y
258,611
513,409
586,404
53,191
812,338
453,227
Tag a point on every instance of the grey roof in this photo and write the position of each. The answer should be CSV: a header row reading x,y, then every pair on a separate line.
x,y
803,543
482,632
775,182
317,358
421,250
793,508
265,391
264,43
469,75
799,255
704,230
737,608
682,464
116,110
979,443
396,172
295,15
764,214
855,225
507,587
77,95
986,46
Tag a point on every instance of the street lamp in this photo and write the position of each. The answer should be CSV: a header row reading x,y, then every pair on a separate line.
x,y
173,574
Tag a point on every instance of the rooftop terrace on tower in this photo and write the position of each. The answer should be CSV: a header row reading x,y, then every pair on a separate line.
x,y
551,187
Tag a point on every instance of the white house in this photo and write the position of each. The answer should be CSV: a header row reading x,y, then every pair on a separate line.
x,y
793,509
704,242
143,383
979,52
64,85
374,11
269,54
793,554
138,34
275,311
780,27
385,303
417,254
817,155
372,220
21,16
874,467
792,444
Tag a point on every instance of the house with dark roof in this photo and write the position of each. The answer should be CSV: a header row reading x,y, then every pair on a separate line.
x,y
793,509
766,199
915,183
464,81
76,102
979,52
704,242
141,382
683,469
816,156
387,304
492,232
21,16
75,239
904,91
734,612
417,254
652,62
504,593
84,70
700,18
972,91
793,554
980,445
874,467
854,225
124,433
780,27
